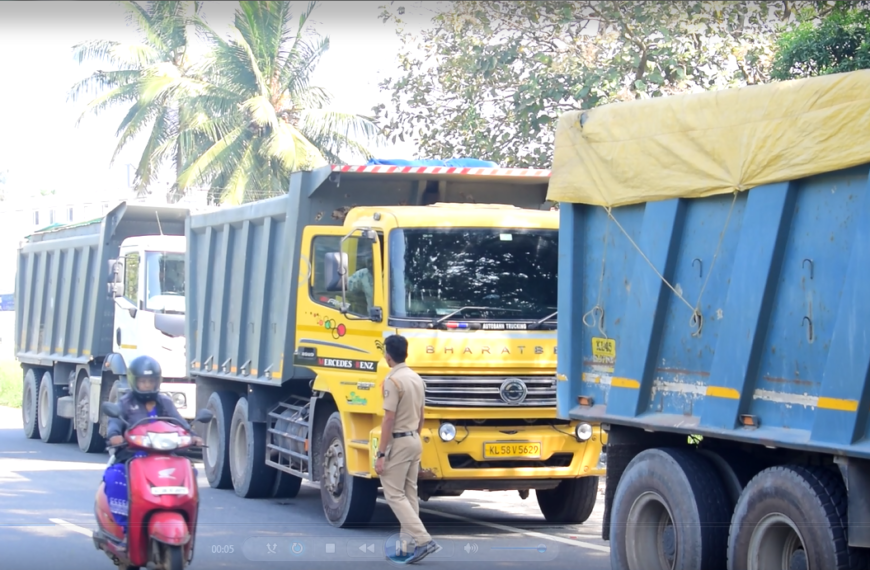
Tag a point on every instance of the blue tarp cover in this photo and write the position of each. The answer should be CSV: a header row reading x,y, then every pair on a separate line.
x,y
453,162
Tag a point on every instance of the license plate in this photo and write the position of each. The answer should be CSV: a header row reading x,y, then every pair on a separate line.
x,y
508,449
169,490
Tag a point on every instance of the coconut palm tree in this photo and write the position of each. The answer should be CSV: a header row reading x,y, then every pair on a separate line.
x,y
259,111
145,76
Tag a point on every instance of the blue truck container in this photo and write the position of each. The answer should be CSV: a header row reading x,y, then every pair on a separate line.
x,y
715,289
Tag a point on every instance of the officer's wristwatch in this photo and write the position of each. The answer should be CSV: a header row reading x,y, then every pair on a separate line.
x,y
381,454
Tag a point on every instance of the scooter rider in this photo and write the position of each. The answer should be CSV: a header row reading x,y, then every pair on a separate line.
x,y
144,376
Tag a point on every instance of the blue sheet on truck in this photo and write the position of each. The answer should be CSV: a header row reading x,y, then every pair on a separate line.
x,y
453,162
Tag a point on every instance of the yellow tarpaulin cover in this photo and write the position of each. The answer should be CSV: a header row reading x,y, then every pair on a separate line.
x,y
695,145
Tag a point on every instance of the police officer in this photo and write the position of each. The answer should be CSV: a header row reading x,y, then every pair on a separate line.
x,y
400,448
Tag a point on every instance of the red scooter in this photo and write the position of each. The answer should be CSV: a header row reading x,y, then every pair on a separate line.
x,y
163,498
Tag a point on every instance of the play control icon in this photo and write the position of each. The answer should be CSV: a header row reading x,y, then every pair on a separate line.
x,y
367,547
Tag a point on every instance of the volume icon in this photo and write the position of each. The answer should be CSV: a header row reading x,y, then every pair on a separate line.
x,y
470,548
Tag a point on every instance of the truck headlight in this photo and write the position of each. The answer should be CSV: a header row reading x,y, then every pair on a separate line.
x,y
179,399
583,432
447,431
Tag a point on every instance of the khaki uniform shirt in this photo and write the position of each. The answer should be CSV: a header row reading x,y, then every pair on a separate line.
x,y
404,394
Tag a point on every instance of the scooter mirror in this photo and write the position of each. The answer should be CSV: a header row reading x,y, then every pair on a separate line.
x,y
204,416
111,409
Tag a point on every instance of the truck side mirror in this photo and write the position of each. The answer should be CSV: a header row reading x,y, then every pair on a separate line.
x,y
116,271
376,314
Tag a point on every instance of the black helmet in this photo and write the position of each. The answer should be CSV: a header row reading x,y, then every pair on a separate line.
x,y
144,367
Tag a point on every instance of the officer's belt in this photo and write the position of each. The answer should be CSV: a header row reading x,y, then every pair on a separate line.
x,y
403,434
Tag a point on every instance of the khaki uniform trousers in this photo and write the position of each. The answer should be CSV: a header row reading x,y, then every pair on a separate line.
x,y
399,481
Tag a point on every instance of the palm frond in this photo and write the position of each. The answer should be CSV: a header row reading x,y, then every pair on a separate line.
x,y
124,55
122,94
237,184
99,82
202,165
145,22
319,122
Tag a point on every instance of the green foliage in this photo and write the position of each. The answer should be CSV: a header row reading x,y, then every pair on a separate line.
x,y
11,384
257,108
240,119
143,76
839,43
489,79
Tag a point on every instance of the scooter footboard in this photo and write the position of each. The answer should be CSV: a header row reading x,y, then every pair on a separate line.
x,y
169,528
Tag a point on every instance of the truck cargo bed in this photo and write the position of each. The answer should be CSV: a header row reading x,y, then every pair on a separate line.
x,y
778,275
64,310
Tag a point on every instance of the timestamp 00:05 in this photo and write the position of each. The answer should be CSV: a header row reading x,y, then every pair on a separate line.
x,y
222,549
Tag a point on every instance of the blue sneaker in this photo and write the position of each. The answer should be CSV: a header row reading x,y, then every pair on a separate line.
x,y
422,552
400,556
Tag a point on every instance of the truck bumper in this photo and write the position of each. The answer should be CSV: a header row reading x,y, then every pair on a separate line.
x,y
551,453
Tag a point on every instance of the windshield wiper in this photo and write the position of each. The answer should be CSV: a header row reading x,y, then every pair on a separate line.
x,y
542,321
460,309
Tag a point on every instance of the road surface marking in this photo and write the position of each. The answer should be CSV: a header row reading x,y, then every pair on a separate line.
x,y
536,534
568,541
72,527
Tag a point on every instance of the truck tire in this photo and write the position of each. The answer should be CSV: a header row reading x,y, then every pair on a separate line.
x,y
347,500
30,405
252,478
87,433
52,428
285,486
215,456
669,512
572,502
795,515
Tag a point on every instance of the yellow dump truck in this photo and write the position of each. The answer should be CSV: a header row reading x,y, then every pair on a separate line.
x,y
290,299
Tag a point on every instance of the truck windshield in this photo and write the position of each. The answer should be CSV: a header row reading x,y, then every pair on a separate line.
x,y
164,287
435,272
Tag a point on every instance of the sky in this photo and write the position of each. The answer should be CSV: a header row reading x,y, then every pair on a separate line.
x,y
43,149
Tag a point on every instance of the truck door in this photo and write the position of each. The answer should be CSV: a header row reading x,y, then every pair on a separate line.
x,y
127,307
341,308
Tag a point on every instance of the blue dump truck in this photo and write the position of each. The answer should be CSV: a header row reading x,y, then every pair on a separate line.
x,y
714,312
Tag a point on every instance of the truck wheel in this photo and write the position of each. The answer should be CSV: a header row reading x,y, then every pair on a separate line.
x,y
252,478
792,517
572,502
30,405
215,455
87,433
52,428
669,512
347,500
286,486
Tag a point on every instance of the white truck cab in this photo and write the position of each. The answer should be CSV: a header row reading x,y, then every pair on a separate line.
x,y
150,311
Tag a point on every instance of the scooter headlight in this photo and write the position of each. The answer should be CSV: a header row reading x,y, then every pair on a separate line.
x,y
447,431
583,432
164,441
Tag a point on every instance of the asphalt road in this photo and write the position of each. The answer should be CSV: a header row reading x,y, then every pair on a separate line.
x,y
46,516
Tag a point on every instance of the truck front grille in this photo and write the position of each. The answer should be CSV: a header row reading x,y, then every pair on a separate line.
x,y
490,391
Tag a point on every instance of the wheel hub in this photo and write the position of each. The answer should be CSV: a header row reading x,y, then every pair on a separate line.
x,y
83,412
28,401
240,448
777,543
333,472
651,537
43,408
211,435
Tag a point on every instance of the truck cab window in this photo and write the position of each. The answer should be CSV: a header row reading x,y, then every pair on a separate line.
x,y
164,285
131,278
351,261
